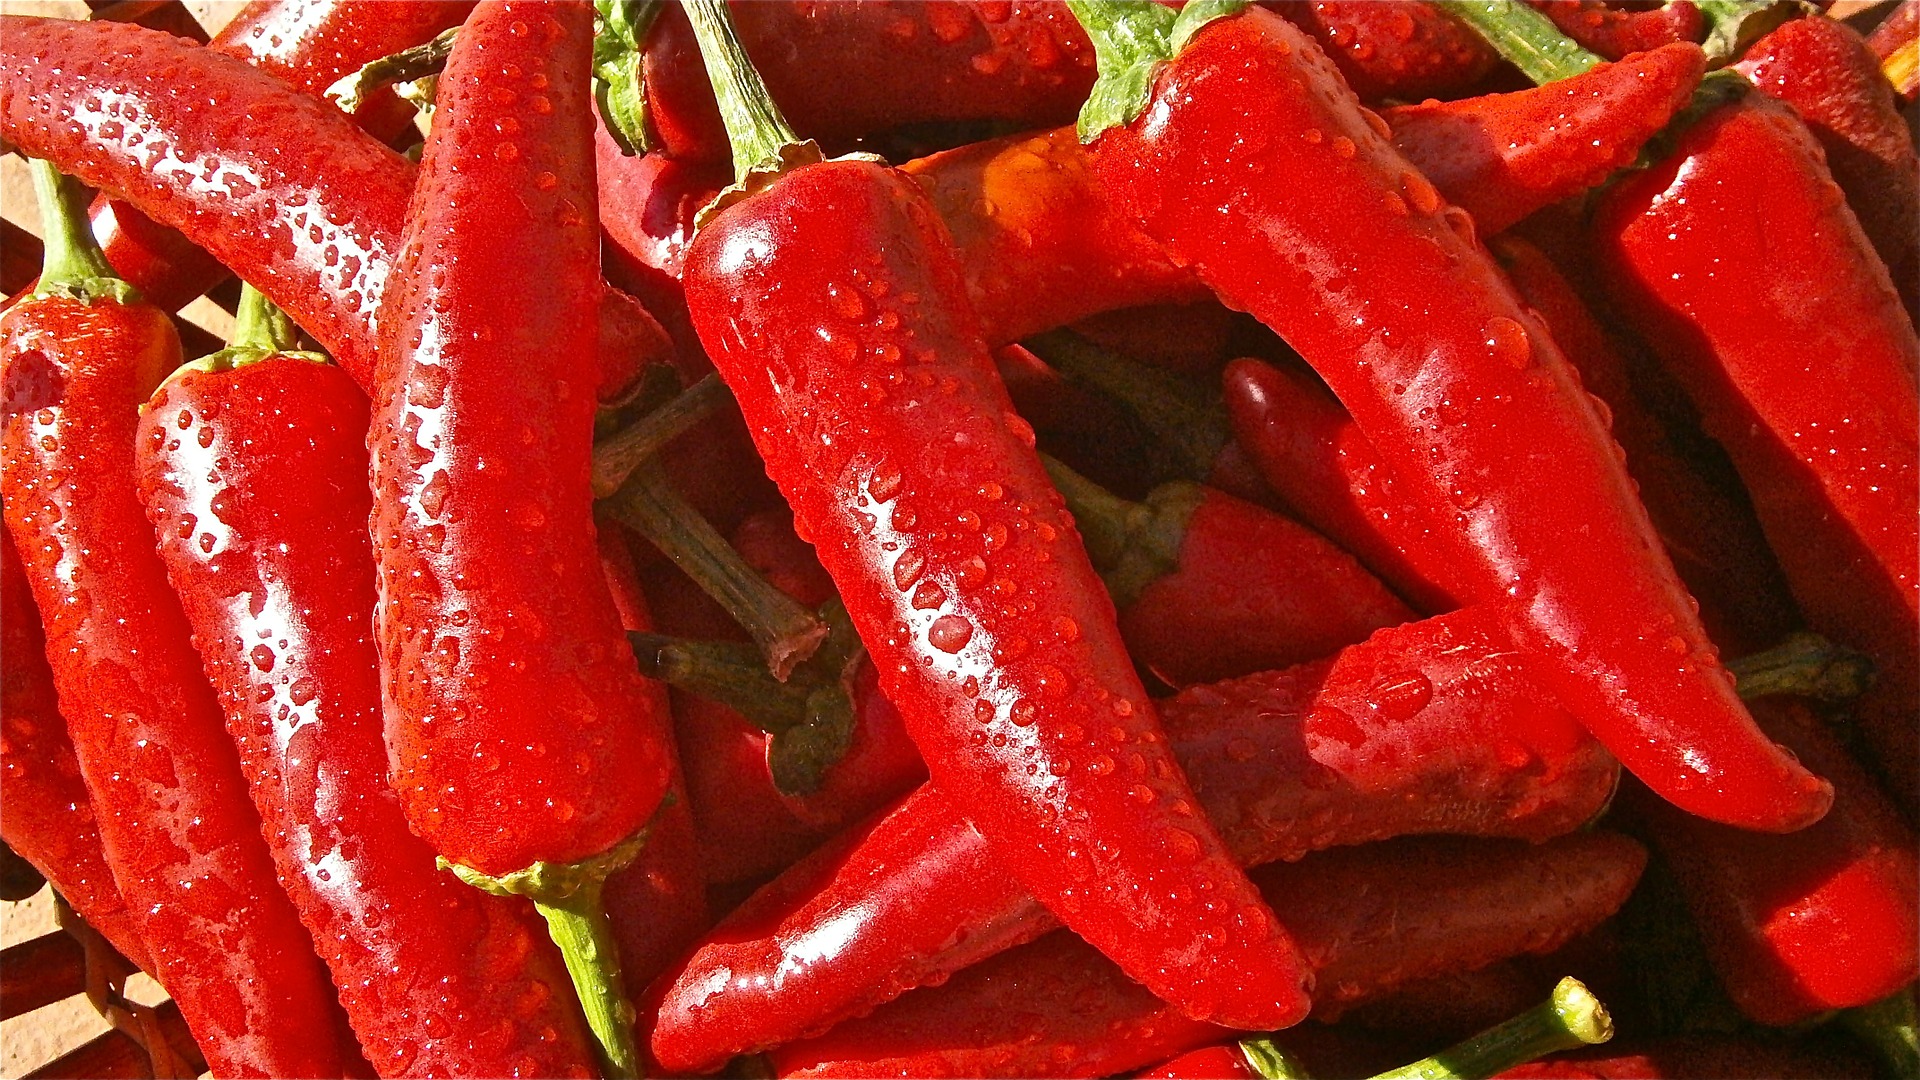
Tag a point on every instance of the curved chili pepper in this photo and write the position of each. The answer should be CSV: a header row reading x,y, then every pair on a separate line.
x,y
1616,30
1407,50
178,831
1456,384
1025,61
1432,726
47,817
1479,151
1371,917
1830,75
1223,1062
277,185
1210,587
526,748
1802,366
1896,41
1825,918
253,470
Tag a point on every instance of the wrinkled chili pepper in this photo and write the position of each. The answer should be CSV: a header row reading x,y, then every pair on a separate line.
x,y
253,470
1616,30
1432,726
1802,365
1456,384
1209,587
176,826
1830,75
525,746
1407,50
832,302
47,817
1371,917
1825,918
279,186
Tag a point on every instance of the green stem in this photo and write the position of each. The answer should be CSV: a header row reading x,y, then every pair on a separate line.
x,y
1103,518
1805,665
1733,25
617,456
260,324
1892,1028
1571,1018
1186,419
1131,39
786,632
619,69
1271,1060
74,266
421,61
759,134
1131,544
730,673
1525,37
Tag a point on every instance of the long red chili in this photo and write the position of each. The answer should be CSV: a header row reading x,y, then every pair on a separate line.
x,y
1616,30
1408,50
832,302
1433,726
525,746
253,468
1371,918
1456,384
177,828
1802,365
47,817
279,186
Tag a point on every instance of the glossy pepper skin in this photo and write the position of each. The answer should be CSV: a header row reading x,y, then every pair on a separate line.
x,y
308,44
1458,387
1371,917
1802,366
1429,727
279,186
1616,30
1409,49
47,817
1223,1062
255,480
519,728
1833,79
226,944
1825,918
1480,151
832,302
1026,62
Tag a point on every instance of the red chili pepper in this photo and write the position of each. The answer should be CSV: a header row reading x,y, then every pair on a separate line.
x,y
1832,78
47,817
832,301
177,828
1024,62
1699,1057
1896,41
253,470
1454,382
317,227
1372,917
1802,365
1432,726
524,743
1224,1062
1825,918
1210,587
1408,50
1617,30
1483,153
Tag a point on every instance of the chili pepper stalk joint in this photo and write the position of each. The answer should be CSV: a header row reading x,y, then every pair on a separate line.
x,y
1131,38
75,266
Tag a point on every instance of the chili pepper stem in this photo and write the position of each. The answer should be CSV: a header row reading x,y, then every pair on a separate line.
x,y
618,455
1892,1027
1570,1018
1132,544
759,134
1805,665
727,672
619,70
75,267
1524,37
408,65
786,632
568,897
1130,38
1271,1060
1190,422
260,330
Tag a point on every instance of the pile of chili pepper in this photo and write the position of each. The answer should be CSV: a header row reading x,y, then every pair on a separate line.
x,y
967,538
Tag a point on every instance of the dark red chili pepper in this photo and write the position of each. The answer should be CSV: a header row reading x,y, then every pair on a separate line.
x,y
1210,587
525,746
1408,50
1223,1062
1831,76
1802,365
1481,152
1372,917
832,301
1456,384
1616,30
1825,918
1896,41
316,225
47,817
1432,726
253,470
1700,1057
176,825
